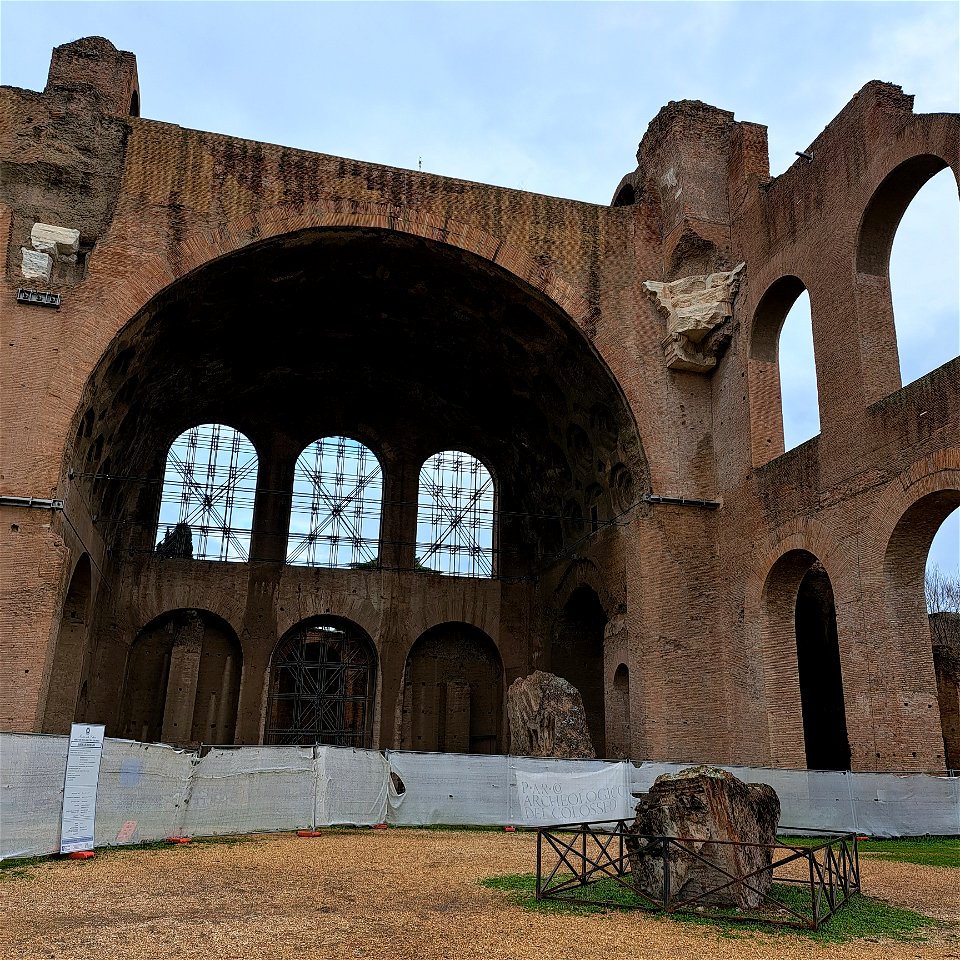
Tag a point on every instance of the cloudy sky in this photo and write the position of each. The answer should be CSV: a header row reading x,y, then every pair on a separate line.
x,y
546,97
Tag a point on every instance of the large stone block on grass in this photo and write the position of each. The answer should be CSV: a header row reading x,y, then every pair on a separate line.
x,y
705,808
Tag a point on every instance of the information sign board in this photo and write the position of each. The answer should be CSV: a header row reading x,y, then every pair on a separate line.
x,y
80,787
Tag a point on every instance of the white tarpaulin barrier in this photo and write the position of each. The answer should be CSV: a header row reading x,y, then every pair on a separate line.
x,y
552,796
141,792
469,788
875,804
151,791
351,786
249,790
472,790
31,794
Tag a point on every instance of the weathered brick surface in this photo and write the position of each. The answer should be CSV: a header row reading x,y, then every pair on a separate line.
x,y
296,295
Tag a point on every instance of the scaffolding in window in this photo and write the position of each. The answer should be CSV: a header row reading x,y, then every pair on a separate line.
x,y
321,688
455,516
337,500
209,485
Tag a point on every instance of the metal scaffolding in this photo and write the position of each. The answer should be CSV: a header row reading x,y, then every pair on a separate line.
x,y
455,515
337,500
209,485
321,687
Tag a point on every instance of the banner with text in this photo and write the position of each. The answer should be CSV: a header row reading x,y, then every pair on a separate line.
x,y
552,797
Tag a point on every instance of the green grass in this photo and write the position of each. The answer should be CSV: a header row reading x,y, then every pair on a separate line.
x,y
924,851
863,917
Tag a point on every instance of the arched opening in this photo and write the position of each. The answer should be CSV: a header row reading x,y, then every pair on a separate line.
x,y
625,196
825,738
70,652
620,736
135,103
455,522
885,359
925,614
577,656
209,485
419,347
925,278
453,692
182,681
335,514
802,667
322,685
784,403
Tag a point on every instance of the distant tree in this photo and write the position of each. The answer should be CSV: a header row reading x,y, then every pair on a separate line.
x,y
943,591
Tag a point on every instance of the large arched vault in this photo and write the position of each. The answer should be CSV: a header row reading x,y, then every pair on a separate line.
x,y
405,343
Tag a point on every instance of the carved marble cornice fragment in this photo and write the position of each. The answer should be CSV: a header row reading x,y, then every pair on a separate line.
x,y
698,312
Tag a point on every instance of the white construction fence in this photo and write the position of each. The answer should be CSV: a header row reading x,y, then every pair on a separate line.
x,y
151,791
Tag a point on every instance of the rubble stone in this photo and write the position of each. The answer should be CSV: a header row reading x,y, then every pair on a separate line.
x,y
547,718
707,808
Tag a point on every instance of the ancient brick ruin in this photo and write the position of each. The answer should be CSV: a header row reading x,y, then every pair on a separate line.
x,y
344,450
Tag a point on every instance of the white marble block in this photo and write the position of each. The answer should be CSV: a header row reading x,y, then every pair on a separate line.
x,y
35,265
60,242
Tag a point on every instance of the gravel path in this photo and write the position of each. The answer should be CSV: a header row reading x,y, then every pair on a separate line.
x,y
397,894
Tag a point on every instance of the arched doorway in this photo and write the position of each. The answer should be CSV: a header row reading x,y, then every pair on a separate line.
x,y
577,656
183,681
70,651
928,628
804,680
620,740
322,683
453,692
818,669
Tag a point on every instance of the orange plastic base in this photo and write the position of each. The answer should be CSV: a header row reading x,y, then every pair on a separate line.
x,y
380,826
80,855
509,829
178,839
308,833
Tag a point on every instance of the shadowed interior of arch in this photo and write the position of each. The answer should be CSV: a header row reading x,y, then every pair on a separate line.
x,y
453,692
182,680
577,655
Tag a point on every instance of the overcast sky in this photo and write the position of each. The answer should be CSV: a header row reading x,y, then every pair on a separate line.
x,y
546,97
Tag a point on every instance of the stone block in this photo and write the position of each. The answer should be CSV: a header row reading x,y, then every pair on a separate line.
x,y
547,718
61,243
35,265
726,830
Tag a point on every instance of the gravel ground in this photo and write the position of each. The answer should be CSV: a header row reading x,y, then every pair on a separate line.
x,y
394,894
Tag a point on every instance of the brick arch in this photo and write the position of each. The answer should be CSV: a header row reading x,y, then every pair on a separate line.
x,y
585,573
893,181
903,525
199,248
887,204
160,596
766,403
294,605
771,588
938,473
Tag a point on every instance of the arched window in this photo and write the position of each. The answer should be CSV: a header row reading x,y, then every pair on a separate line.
x,y
924,278
455,515
782,367
206,509
337,497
